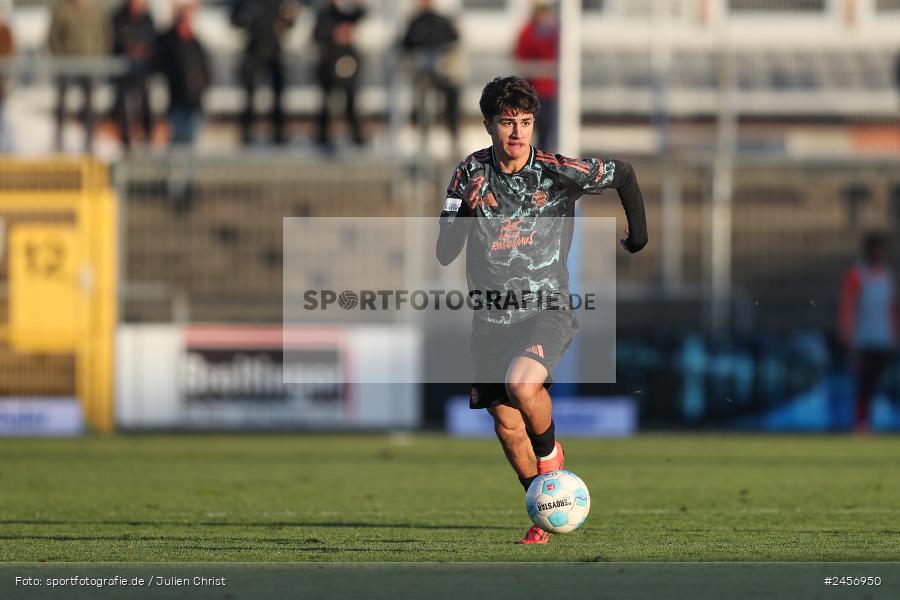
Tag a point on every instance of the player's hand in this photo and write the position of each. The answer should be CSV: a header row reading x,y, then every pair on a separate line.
x,y
472,193
624,241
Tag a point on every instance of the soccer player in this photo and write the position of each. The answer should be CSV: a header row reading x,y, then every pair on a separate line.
x,y
514,203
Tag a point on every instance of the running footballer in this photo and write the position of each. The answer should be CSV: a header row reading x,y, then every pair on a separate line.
x,y
511,206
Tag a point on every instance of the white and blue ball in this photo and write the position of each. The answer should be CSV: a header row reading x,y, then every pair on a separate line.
x,y
558,501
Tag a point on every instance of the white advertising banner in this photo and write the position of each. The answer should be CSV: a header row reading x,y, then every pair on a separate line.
x,y
231,377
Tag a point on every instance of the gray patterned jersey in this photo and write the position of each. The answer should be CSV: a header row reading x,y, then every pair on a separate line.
x,y
521,233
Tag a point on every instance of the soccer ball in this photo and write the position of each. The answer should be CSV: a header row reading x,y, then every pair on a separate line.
x,y
558,501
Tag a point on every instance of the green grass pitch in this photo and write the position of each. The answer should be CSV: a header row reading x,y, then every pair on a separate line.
x,y
307,497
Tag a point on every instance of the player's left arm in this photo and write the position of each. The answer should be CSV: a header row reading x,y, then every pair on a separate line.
x,y
605,173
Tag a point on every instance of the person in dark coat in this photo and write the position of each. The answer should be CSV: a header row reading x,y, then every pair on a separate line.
x,y
431,39
78,30
339,64
134,38
185,64
897,70
265,22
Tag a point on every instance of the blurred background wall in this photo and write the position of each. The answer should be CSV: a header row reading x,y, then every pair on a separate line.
x,y
765,134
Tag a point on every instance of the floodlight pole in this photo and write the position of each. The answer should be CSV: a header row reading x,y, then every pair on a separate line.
x,y
569,140
661,60
569,124
720,219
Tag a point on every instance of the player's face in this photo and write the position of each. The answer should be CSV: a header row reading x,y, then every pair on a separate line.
x,y
511,134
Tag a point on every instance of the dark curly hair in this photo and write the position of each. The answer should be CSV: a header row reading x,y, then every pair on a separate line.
x,y
508,94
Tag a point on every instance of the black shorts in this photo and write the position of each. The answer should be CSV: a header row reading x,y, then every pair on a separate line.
x,y
543,337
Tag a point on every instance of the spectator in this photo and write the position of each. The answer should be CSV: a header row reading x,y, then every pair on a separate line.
x,y
538,46
7,51
78,29
431,39
339,63
185,64
897,70
265,23
134,39
868,322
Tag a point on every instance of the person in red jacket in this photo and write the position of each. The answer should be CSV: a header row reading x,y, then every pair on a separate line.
x,y
538,47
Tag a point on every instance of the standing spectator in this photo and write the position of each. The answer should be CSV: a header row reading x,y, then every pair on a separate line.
x,y
539,45
78,29
431,39
265,23
7,51
897,70
185,63
868,322
134,38
339,63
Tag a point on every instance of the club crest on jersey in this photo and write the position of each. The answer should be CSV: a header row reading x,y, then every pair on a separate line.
x,y
539,198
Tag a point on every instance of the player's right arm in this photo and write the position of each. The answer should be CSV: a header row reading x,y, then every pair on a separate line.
x,y
456,216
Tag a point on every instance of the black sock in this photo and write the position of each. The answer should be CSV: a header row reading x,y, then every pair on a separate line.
x,y
544,443
526,481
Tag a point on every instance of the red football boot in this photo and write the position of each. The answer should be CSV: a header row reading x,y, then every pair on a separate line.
x,y
536,535
554,463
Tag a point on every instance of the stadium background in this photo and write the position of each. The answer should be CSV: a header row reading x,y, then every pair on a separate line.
x,y
765,134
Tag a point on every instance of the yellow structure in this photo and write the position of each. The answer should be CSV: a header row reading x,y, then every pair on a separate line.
x,y
58,220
